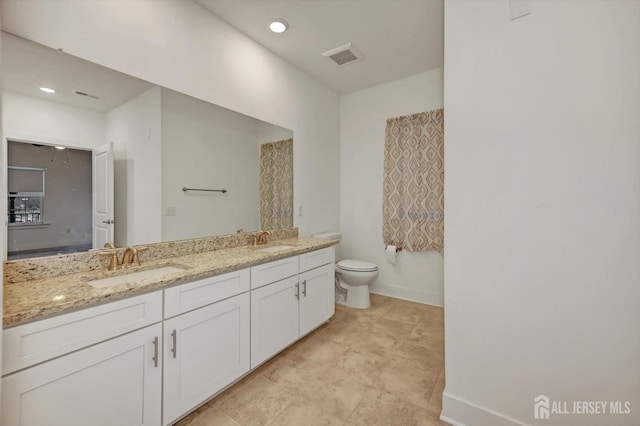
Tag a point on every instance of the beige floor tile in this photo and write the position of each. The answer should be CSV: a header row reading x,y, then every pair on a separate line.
x,y
207,417
379,408
434,315
406,313
303,413
383,345
256,403
405,379
360,366
342,332
378,365
292,371
333,393
425,357
317,348
391,328
435,403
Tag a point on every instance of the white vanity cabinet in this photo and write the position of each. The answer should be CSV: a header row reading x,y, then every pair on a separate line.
x,y
317,297
205,349
289,307
115,382
274,318
150,359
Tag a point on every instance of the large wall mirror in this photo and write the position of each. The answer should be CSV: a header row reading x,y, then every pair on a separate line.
x,y
182,168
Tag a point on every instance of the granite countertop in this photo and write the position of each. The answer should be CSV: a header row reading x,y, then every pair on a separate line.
x,y
32,300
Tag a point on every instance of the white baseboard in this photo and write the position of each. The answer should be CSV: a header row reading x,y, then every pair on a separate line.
x,y
459,412
410,294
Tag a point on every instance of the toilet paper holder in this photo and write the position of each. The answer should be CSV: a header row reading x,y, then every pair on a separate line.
x,y
398,248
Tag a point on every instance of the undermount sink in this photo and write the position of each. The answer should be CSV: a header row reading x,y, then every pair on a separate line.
x,y
157,273
275,248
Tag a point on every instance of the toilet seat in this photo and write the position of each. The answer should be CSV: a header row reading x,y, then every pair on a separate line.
x,y
356,266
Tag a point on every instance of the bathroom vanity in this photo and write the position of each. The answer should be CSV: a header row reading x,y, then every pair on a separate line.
x,y
164,345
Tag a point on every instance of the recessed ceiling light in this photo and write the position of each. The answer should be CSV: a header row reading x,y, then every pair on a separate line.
x,y
279,26
48,90
60,147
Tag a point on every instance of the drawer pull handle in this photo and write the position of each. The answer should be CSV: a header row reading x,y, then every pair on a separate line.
x,y
155,352
304,288
174,338
298,291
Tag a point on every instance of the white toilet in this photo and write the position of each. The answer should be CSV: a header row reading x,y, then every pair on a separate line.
x,y
353,277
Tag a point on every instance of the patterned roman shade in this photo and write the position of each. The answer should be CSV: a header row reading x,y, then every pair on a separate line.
x,y
276,185
413,192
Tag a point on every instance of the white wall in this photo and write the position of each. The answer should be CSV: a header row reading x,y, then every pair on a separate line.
x,y
363,114
67,202
270,133
206,146
37,120
542,194
135,130
181,46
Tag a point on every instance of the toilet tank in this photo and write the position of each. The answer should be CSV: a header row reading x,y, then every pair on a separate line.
x,y
331,236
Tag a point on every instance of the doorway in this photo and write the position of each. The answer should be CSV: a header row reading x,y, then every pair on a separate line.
x,y
49,200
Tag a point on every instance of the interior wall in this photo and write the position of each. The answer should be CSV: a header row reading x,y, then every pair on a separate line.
x,y
542,195
3,196
415,276
270,133
228,157
67,201
38,120
135,130
181,46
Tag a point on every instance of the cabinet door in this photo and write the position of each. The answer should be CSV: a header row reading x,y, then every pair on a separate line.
x,y
317,300
205,350
274,319
117,382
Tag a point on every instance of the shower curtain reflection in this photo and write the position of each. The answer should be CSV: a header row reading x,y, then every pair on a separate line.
x,y
276,185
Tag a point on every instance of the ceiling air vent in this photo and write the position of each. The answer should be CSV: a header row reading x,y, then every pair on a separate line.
x,y
86,94
344,55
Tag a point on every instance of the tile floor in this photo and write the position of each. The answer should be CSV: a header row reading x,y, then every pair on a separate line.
x,y
378,366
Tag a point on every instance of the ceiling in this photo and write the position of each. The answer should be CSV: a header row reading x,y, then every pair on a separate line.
x,y
398,38
27,66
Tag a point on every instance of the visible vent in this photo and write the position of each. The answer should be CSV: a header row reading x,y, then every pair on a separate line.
x,y
87,95
343,55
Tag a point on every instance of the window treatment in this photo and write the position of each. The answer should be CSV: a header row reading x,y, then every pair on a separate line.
x,y
413,191
276,185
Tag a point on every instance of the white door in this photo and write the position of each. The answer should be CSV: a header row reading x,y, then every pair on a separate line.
x,y
274,319
102,195
116,382
205,350
317,297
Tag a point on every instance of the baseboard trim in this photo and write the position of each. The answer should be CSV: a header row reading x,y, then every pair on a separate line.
x,y
459,412
408,294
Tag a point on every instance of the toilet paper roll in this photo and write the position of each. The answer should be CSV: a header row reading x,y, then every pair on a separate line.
x,y
391,254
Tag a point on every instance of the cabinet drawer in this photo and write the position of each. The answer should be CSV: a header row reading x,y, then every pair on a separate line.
x,y
39,341
316,258
193,295
273,271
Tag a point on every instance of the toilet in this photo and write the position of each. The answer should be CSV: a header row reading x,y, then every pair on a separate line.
x,y
353,277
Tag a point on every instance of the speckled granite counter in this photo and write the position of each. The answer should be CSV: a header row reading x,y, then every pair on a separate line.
x,y
36,299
